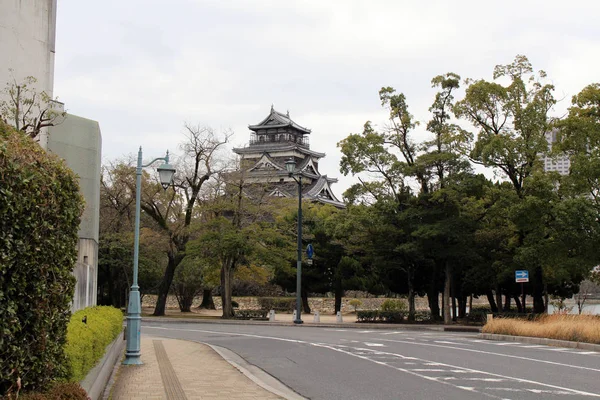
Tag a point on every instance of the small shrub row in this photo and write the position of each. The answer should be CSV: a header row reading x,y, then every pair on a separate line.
x,y
251,314
393,305
58,391
285,304
87,341
379,316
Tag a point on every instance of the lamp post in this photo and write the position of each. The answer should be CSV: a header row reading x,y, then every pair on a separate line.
x,y
134,310
290,166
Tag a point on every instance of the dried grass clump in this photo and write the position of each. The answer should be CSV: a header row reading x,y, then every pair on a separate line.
x,y
577,328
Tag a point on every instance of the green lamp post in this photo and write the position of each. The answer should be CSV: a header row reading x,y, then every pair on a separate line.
x,y
134,309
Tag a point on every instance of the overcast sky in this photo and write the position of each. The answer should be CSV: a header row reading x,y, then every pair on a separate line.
x,y
144,67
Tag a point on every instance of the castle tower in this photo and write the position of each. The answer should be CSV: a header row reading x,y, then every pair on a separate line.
x,y
273,141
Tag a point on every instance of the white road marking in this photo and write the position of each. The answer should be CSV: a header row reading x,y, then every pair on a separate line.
x,y
394,333
456,369
374,344
444,342
493,354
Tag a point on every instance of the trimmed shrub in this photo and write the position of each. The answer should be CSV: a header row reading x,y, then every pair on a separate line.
x,y
87,341
40,208
251,314
393,305
378,316
59,391
285,304
355,303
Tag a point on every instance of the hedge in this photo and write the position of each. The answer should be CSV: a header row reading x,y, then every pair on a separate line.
x,y
58,391
379,316
40,209
287,304
87,341
251,314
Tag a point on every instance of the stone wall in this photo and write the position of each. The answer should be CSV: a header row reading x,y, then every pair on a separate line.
x,y
324,305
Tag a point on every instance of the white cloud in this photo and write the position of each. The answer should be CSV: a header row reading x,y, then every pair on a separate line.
x,y
143,68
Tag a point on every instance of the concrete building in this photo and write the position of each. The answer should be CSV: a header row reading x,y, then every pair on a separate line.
x,y
560,164
78,141
274,140
27,48
27,44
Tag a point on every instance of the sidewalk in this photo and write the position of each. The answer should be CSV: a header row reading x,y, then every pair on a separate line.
x,y
179,369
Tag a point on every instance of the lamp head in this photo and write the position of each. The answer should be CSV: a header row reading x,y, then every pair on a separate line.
x,y
166,172
290,166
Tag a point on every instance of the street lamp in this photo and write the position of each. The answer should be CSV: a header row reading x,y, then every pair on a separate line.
x,y
290,166
134,310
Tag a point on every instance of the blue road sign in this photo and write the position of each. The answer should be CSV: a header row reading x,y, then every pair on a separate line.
x,y
522,276
310,252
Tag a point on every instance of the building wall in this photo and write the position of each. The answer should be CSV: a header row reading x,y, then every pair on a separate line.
x,y
560,164
79,142
27,43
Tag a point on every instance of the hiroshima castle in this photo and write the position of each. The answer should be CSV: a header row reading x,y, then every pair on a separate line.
x,y
275,140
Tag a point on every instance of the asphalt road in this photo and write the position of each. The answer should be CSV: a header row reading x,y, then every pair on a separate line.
x,y
329,363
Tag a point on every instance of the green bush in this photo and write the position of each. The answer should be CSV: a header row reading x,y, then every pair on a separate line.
x,y
87,341
285,304
378,316
58,391
251,314
393,305
39,219
355,303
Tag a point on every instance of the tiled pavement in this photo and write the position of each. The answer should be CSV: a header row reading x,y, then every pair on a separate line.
x,y
187,370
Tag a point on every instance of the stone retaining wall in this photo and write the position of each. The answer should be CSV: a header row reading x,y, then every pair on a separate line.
x,y
325,305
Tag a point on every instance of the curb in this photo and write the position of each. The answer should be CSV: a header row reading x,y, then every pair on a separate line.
x,y
97,379
255,374
543,341
342,325
339,325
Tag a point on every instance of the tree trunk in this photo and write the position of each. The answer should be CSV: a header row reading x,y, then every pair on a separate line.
x,y
185,300
546,300
433,297
490,297
498,297
338,293
470,303
305,306
207,300
226,281
447,316
506,303
462,306
518,303
411,297
538,285
165,286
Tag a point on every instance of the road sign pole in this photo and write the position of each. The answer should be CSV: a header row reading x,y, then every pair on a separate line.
x,y
523,297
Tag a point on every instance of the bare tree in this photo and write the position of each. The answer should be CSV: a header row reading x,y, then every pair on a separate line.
x,y
173,211
28,110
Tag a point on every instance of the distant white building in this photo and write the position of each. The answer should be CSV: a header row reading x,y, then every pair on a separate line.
x,y
27,48
560,164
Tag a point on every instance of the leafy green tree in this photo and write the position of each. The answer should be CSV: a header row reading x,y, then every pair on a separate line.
x,y
512,120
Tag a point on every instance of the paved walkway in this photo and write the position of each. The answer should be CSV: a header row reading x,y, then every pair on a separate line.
x,y
178,369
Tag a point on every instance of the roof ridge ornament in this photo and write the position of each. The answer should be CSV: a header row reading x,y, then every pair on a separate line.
x,y
288,113
272,109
